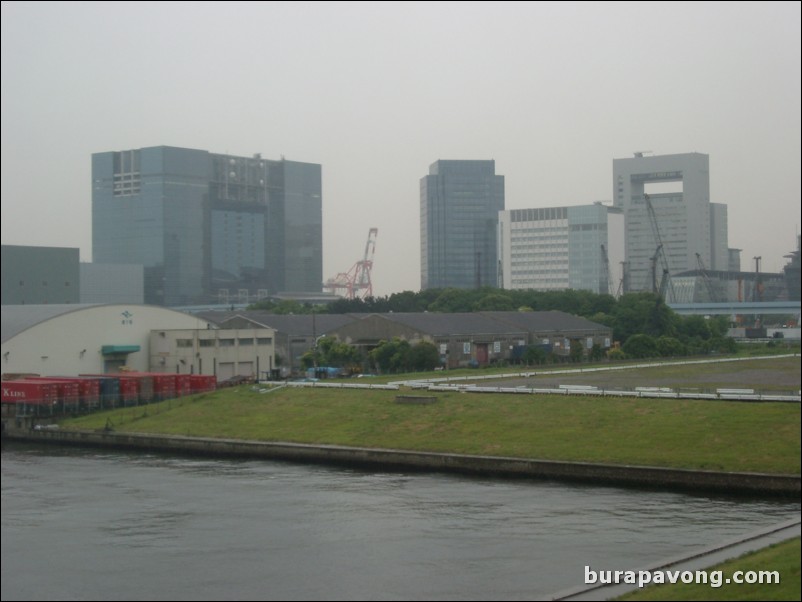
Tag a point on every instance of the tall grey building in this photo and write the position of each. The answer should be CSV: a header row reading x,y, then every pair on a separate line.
x,y
460,201
40,275
208,227
668,214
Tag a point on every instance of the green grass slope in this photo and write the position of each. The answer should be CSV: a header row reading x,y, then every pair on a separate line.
x,y
709,435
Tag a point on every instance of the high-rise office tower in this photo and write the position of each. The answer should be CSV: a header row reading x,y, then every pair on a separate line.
x,y
668,216
208,227
460,201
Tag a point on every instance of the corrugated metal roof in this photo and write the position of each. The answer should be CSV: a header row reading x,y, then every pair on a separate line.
x,y
544,321
433,323
17,318
438,324
290,324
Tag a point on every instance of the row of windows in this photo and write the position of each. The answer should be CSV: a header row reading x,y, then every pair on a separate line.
x,y
538,229
588,227
518,240
537,215
522,248
540,283
244,342
543,269
519,258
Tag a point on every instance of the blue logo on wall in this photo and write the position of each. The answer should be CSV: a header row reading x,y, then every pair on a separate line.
x,y
128,317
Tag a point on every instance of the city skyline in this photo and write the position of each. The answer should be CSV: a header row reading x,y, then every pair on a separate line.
x,y
376,92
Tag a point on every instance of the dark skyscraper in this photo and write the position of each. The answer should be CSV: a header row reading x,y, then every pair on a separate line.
x,y
460,201
207,227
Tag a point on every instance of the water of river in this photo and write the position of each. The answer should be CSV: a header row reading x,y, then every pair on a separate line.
x,y
82,524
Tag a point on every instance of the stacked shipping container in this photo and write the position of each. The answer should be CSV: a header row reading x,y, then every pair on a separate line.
x,y
46,395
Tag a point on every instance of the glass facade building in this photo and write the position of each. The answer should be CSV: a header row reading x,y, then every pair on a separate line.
x,y
460,201
208,227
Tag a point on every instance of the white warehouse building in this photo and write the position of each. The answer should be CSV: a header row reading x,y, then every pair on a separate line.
x,y
66,340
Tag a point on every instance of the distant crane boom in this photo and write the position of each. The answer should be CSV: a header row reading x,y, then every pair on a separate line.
x,y
604,282
707,280
357,282
665,283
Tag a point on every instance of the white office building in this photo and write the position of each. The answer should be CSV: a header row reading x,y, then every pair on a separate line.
x,y
670,222
559,248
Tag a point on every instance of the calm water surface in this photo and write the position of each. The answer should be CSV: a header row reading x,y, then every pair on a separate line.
x,y
81,524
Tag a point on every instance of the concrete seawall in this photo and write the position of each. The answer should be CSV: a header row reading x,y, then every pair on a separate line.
x,y
759,484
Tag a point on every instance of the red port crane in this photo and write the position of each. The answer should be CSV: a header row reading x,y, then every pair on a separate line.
x,y
356,283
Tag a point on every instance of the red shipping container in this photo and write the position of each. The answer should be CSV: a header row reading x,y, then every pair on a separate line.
x,y
89,388
203,382
69,391
29,392
163,385
183,384
129,390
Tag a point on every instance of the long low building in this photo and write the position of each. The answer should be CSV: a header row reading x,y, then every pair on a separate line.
x,y
463,339
482,338
99,339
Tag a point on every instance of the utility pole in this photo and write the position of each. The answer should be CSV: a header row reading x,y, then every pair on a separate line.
x,y
757,291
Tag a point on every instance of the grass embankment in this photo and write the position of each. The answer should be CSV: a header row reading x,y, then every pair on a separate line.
x,y
710,435
784,557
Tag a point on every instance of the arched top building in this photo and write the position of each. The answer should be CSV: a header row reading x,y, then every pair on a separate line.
x,y
84,339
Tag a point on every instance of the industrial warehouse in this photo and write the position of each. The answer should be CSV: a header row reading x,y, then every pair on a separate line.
x,y
141,346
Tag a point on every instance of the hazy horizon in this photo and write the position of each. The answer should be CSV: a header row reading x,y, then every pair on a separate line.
x,y
377,92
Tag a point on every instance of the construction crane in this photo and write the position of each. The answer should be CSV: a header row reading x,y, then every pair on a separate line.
x,y
356,283
653,259
711,292
665,283
604,281
623,284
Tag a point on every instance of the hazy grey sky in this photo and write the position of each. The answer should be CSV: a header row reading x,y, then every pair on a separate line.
x,y
376,92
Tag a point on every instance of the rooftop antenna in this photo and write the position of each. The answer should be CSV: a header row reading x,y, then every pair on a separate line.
x,y
640,154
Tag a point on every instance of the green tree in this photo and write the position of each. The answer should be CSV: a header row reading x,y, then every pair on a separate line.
x,y
616,355
643,313
391,356
452,300
534,354
423,357
494,302
695,326
719,326
331,352
724,344
596,353
640,346
288,306
669,347
577,351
